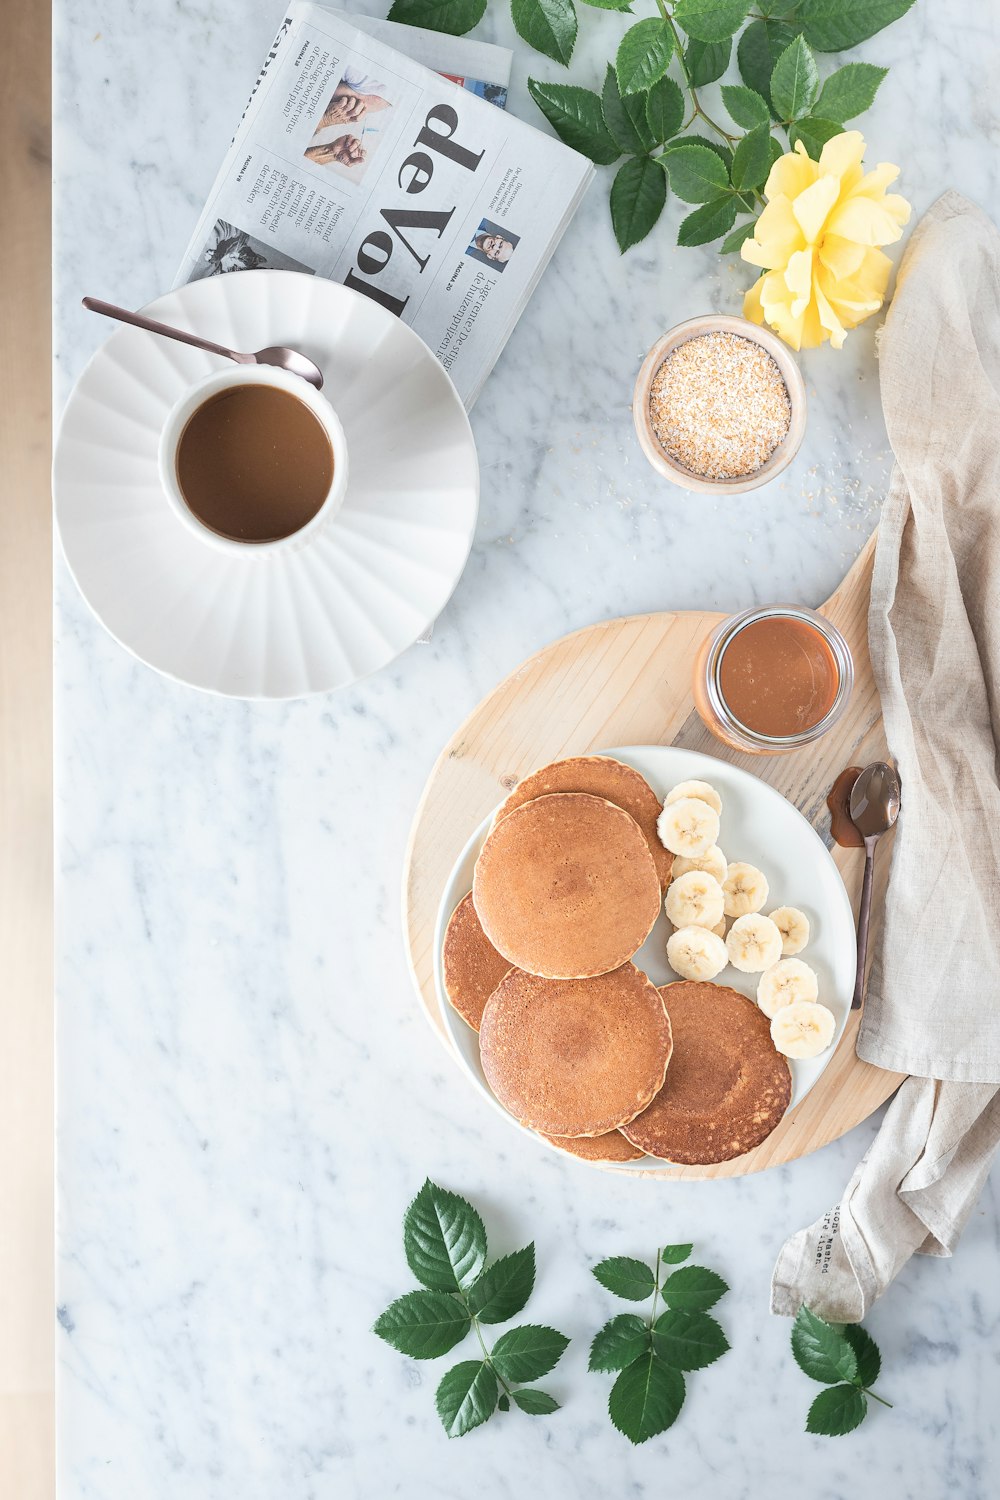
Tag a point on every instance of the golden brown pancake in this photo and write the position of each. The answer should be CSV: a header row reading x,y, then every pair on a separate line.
x,y
728,1087
472,966
566,887
601,776
575,1057
610,1147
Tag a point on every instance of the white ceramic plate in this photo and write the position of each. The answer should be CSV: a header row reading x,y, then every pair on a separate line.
x,y
759,826
295,622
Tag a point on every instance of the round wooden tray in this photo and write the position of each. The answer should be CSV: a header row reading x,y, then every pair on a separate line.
x,y
628,682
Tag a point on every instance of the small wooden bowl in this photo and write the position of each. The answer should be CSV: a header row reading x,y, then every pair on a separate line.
x,y
790,373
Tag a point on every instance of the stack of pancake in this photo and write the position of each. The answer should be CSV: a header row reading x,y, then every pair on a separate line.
x,y
576,1042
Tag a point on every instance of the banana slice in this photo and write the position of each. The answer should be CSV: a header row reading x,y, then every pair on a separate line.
x,y
694,900
793,926
688,827
699,789
803,1029
744,888
753,943
696,953
785,983
713,862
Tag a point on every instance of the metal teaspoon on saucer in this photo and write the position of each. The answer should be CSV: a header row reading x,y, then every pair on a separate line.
x,y
284,359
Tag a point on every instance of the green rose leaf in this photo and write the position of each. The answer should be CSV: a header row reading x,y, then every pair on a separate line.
x,y
688,1340
837,1410
466,1397
577,118
547,25
814,133
504,1287
644,54
706,61
622,5
444,1239
865,1352
740,233
672,1255
747,107
536,1403
697,175
638,194
759,49
711,20
694,1288
646,1398
752,158
722,152
621,1340
708,222
664,110
849,91
625,118
821,1351
455,17
835,25
528,1352
795,81
423,1325
625,1276
503,1403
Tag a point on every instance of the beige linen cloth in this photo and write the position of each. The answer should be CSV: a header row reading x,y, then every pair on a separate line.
x,y
933,1004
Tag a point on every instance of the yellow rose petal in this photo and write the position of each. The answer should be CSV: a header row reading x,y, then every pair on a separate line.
x,y
842,156
776,236
813,205
874,183
829,320
839,256
865,221
791,173
798,279
751,303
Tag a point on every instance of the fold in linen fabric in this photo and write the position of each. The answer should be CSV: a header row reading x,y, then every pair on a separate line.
x,y
933,1003
913,1191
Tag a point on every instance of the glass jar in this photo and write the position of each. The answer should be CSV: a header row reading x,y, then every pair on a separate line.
x,y
767,683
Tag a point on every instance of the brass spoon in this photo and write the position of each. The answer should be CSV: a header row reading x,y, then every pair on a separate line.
x,y
874,808
283,359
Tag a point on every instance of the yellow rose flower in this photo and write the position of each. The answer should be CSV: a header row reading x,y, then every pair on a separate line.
x,y
817,240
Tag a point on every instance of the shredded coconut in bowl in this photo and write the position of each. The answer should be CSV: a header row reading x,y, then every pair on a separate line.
x,y
719,405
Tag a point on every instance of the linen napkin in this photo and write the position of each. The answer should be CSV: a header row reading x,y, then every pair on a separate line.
x,y
933,1003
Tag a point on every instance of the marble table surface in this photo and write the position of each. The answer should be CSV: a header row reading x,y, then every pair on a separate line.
x,y
248,1092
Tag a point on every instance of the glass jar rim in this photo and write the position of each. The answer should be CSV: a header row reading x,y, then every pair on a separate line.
x,y
731,627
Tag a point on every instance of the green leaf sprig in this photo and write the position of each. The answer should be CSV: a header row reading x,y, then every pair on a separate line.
x,y
651,1354
846,1359
648,117
444,1240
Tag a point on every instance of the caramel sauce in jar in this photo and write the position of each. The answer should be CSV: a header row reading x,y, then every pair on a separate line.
x,y
771,680
778,676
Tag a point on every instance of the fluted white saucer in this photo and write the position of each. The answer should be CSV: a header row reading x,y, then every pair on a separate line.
x,y
305,620
760,826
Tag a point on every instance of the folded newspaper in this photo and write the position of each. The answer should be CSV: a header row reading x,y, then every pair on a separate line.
x,y
357,163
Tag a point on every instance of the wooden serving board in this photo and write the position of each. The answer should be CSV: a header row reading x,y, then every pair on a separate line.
x,y
628,682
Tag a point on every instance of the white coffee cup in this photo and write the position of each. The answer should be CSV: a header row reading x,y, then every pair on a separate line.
x,y
228,379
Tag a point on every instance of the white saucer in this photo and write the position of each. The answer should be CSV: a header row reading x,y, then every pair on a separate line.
x,y
759,826
301,621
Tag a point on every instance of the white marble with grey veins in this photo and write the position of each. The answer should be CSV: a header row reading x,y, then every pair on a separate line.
x,y
248,1092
